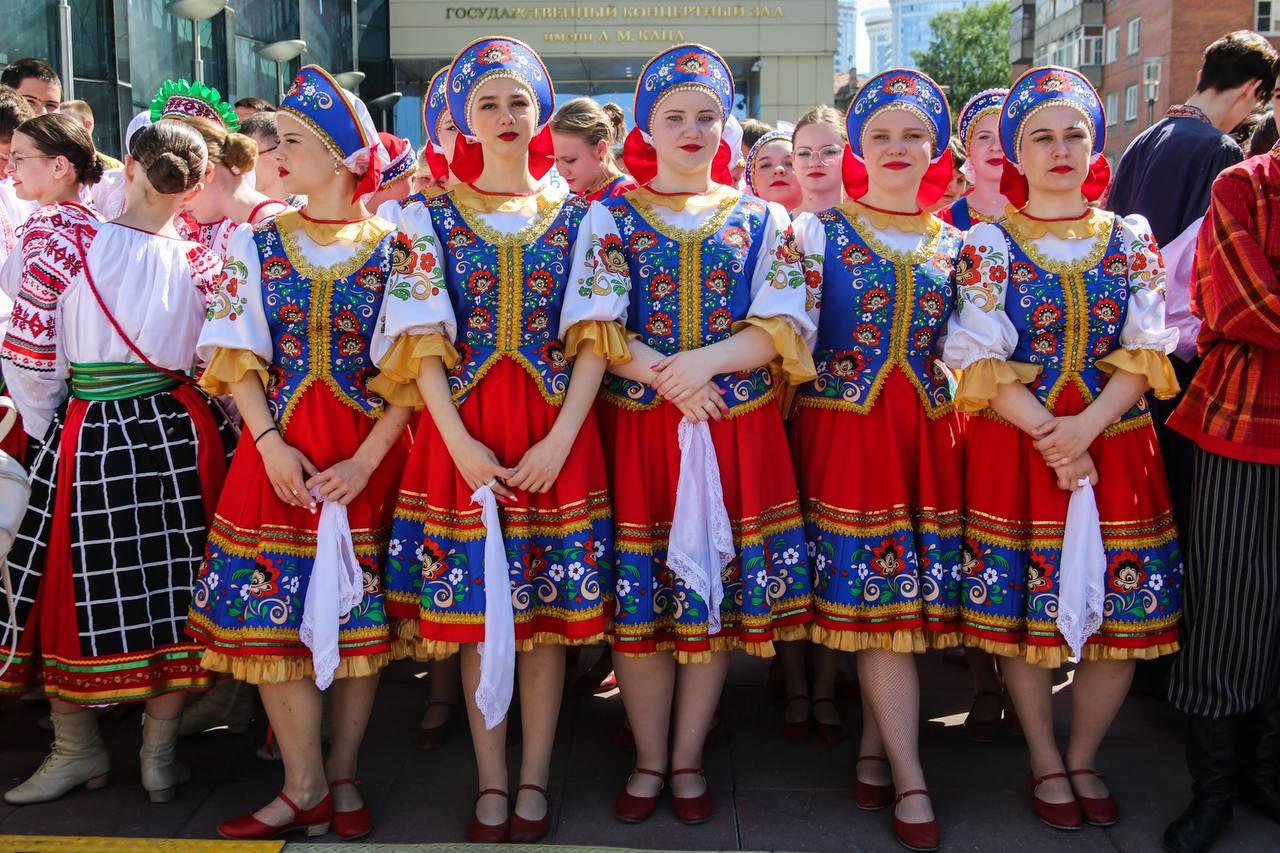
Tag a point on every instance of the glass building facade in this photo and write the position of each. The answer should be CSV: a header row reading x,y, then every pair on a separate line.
x,y
122,50
911,32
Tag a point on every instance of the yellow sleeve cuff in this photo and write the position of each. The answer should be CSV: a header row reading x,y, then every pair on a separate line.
x,y
229,366
981,381
1153,364
608,340
397,380
797,361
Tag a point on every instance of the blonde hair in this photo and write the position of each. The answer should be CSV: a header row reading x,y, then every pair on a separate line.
x,y
591,121
239,153
822,114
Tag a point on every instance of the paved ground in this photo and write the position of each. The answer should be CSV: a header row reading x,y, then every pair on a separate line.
x,y
770,794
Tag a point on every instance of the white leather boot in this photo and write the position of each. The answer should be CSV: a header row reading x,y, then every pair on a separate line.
x,y
79,757
161,772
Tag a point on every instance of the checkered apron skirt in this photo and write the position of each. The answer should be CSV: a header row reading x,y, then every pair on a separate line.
x,y
107,626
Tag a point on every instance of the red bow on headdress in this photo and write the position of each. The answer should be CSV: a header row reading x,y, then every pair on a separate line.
x,y
641,160
1013,184
371,179
468,158
437,163
932,186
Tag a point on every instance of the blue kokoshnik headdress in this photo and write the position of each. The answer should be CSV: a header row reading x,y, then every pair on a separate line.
x,y
485,59
341,121
985,103
771,136
913,92
1039,89
435,106
681,68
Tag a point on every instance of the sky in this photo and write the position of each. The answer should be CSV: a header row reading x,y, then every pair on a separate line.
x,y
864,47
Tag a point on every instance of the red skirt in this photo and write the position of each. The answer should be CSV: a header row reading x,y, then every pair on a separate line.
x,y
767,587
1014,523
559,543
249,597
883,520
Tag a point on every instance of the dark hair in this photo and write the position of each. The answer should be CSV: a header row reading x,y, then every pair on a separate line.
x,y
1239,58
752,130
260,126
63,136
1264,135
14,110
1242,132
171,153
258,105
24,69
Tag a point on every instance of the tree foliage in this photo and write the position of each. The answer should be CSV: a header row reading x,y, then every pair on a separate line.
x,y
969,51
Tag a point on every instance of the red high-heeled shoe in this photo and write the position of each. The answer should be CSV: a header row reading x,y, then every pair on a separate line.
x,y
525,831
692,810
489,833
1057,815
353,824
799,729
315,821
1099,811
832,733
630,808
922,836
868,796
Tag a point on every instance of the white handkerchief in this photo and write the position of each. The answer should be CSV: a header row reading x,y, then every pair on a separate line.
x,y
701,541
1083,570
498,651
335,588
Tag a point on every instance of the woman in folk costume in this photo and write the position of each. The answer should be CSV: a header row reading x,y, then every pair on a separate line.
x,y
124,482
438,151
441,133
818,144
397,173
505,335
585,134
883,519
51,160
979,133
228,197
771,173
1059,333
290,594
711,553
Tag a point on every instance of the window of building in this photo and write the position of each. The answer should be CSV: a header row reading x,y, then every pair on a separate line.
x,y
1091,46
1264,17
1135,36
1113,44
1113,108
1131,102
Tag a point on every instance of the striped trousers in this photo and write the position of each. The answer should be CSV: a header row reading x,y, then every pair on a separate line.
x,y
1230,661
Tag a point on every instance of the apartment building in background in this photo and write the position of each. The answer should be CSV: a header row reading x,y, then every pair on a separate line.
x,y
1142,55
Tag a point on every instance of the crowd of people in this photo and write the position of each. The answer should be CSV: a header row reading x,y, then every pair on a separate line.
x,y
297,402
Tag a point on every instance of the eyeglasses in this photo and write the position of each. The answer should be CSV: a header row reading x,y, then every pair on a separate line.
x,y
18,159
825,154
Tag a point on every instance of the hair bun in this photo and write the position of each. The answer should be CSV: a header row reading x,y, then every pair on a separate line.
x,y
618,119
169,173
94,171
239,153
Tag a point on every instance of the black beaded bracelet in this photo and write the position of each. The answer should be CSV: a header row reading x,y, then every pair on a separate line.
x,y
263,434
